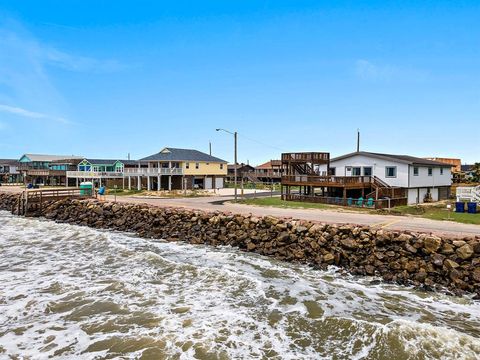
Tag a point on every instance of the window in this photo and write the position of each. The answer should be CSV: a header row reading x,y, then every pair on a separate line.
x,y
441,171
221,166
187,165
197,165
333,171
356,171
391,171
415,171
367,171
430,171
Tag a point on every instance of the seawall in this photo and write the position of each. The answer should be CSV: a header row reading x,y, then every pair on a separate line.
x,y
408,258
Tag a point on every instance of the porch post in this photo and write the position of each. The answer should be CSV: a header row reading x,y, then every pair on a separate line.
x,y
139,183
159,179
129,183
148,182
169,182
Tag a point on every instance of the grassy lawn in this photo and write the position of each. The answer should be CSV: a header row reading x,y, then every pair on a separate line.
x,y
437,212
277,202
434,212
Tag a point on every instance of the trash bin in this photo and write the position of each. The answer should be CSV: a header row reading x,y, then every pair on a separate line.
x,y
459,207
86,188
472,207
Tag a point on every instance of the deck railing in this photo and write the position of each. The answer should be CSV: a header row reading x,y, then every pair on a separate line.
x,y
94,174
316,157
327,180
153,171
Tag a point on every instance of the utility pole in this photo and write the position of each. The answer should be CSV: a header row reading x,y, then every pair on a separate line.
x,y
358,140
235,160
210,146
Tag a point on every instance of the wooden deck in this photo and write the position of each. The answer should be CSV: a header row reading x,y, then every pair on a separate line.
x,y
350,182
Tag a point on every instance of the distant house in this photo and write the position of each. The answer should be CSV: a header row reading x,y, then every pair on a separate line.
x,y
44,169
9,172
109,172
175,169
421,178
467,172
456,163
271,171
243,172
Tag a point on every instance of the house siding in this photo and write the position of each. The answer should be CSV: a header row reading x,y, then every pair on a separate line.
x,y
378,168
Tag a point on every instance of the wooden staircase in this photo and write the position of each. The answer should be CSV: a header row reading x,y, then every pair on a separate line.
x,y
382,189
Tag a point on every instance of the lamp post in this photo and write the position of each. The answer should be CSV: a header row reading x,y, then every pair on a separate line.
x,y
235,159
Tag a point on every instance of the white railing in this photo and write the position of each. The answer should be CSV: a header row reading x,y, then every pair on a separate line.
x,y
94,174
153,171
468,193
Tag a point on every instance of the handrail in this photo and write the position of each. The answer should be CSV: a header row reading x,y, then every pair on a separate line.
x,y
306,156
93,174
331,179
154,171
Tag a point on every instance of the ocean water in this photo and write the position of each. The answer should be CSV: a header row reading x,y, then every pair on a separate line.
x,y
71,292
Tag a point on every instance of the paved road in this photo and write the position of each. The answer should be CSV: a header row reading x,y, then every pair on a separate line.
x,y
220,203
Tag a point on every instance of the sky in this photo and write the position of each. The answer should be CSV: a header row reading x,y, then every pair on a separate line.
x,y
106,79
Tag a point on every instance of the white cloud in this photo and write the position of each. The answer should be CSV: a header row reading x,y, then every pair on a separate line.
x,y
31,114
71,62
25,79
367,70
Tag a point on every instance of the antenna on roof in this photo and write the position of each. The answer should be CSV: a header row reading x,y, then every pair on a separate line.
x,y
358,140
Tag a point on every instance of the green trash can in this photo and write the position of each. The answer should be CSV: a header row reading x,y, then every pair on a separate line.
x,y
86,188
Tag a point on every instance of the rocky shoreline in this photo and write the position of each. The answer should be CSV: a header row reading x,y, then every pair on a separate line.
x,y
407,258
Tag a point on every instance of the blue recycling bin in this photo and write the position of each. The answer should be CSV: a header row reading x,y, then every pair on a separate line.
x,y
472,207
459,207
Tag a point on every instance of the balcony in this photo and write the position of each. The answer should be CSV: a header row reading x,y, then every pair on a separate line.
x,y
94,174
328,181
153,171
311,157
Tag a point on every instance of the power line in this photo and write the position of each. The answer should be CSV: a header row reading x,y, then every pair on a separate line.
x,y
261,142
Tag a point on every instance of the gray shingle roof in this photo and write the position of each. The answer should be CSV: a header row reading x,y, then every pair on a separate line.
x,y
10,162
47,158
174,154
401,158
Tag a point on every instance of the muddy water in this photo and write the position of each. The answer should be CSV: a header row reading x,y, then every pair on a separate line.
x,y
78,293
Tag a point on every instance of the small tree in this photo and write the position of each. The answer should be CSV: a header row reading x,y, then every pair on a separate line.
x,y
476,172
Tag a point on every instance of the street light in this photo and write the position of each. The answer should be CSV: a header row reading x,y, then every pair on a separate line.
x,y
235,158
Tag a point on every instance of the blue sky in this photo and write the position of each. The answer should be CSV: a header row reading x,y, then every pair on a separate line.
x,y
108,78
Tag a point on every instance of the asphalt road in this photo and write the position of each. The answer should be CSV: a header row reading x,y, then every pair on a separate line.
x,y
391,222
